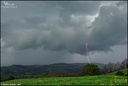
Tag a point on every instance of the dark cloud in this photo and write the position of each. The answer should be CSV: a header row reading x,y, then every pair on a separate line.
x,y
63,27
108,29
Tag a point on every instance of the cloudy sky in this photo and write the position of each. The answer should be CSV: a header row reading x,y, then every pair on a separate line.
x,y
41,32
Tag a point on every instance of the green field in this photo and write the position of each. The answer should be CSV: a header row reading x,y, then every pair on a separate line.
x,y
108,79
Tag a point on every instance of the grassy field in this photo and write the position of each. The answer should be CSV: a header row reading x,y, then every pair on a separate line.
x,y
108,79
125,71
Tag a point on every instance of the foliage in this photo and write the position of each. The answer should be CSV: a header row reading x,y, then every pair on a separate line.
x,y
120,73
7,77
10,77
64,74
126,75
30,71
111,67
114,73
90,69
124,64
106,80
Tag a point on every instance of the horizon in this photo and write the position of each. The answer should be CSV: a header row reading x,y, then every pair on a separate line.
x,y
47,64
53,64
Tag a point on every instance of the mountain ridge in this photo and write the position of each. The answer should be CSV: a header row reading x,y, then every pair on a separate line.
x,y
18,70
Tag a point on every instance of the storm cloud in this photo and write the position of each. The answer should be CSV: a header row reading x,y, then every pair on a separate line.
x,y
60,30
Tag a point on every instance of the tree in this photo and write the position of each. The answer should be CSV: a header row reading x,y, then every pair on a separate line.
x,y
124,64
120,73
111,67
117,66
104,69
63,74
10,77
90,69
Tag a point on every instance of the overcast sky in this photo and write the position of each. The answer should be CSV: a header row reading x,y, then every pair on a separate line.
x,y
40,32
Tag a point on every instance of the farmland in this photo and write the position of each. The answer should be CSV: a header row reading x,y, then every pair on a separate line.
x,y
107,79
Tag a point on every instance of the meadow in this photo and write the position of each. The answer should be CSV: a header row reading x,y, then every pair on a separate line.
x,y
107,79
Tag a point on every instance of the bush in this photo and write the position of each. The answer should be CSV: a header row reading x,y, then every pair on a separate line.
x,y
120,73
10,77
126,75
90,69
63,74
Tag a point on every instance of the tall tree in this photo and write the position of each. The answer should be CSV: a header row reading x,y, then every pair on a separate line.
x,y
124,64
90,69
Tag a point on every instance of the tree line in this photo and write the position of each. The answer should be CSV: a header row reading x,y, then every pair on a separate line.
x,y
88,69
111,67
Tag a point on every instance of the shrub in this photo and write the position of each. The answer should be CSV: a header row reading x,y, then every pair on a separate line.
x,y
90,69
120,73
126,75
63,74
10,77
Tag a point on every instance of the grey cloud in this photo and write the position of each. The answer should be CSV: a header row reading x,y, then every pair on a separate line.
x,y
78,8
30,56
121,3
51,32
53,28
36,20
108,29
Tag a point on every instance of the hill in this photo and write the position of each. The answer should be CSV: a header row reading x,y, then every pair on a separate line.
x,y
125,71
82,80
24,71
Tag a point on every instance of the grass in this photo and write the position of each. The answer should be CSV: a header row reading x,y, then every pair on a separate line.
x,y
125,71
108,79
